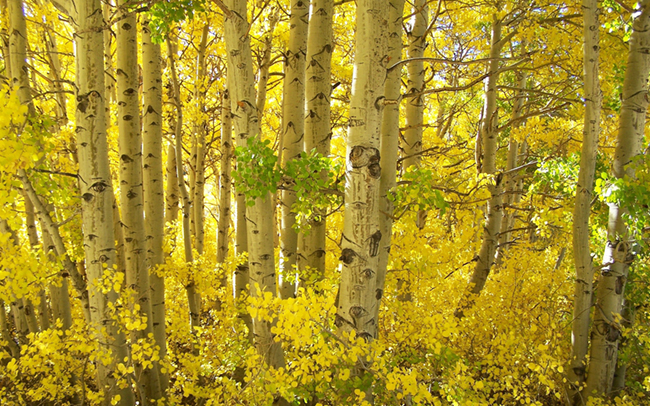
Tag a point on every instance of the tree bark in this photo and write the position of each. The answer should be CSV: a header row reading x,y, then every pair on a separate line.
x,y
193,298
362,236
264,66
415,104
97,191
293,132
488,139
606,329
318,133
152,176
582,210
225,185
258,216
389,141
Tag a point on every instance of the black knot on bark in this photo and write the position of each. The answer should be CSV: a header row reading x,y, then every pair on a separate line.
x,y
361,156
378,294
347,256
367,273
375,239
357,311
99,186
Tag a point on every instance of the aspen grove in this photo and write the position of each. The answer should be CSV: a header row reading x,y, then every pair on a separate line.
x,y
319,202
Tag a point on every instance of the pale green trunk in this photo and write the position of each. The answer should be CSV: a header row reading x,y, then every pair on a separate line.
x,y
362,237
582,210
293,132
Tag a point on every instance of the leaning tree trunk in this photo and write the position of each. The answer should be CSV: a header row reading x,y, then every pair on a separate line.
x,y
259,216
152,177
318,133
389,140
362,237
584,193
293,132
415,103
488,139
97,192
606,330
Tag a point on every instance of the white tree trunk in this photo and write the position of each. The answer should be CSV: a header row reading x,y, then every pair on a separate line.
x,y
293,132
362,236
154,192
318,133
389,141
606,330
584,194
225,185
96,189
259,217
415,104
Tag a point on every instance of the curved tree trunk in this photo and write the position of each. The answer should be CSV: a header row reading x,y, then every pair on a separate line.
x,y
488,139
318,133
293,132
606,330
584,194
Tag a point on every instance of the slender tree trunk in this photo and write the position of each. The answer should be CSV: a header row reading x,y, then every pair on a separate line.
x,y
96,191
584,194
606,330
108,7
264,66
42,311
488,139
59,295
510,181
415,104
318,134
154,192
69,267
197,178
193,299
362,237
172,191
6,335
293,132
55,75
389,141
260,215
225,185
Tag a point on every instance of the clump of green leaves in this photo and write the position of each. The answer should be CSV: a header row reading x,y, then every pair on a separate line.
x,y
164,14
314,178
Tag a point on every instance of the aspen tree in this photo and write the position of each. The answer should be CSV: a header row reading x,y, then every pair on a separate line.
x,y
362,236
152,177
97,192
584,194
318,134
131,187
225,184
265,65
42,310
293,132
389,139
193,298
259,216
172,192
108,7
510,181
6,335
197,176
59,296
414,107
606,329
488,134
